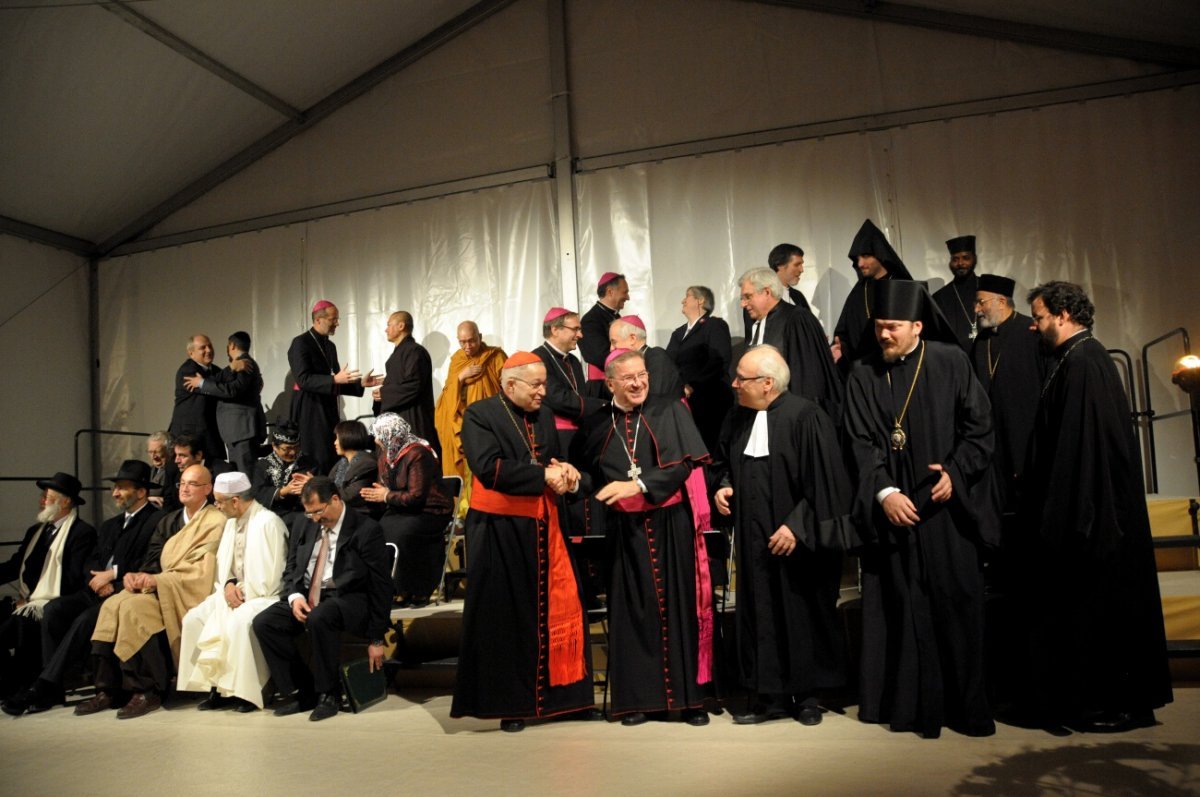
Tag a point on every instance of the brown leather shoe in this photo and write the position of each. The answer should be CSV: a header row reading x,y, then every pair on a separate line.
x,y
102,701
140,704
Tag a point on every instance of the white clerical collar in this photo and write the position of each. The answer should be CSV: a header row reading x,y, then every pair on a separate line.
x,y
756,445
617,404
607,307
691,325
787,293
554,348
186,517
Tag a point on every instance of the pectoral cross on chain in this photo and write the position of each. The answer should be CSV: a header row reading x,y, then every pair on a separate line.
x,y
634,471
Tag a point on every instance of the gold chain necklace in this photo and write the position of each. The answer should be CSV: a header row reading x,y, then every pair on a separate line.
x,y
527,437
899,438
992,367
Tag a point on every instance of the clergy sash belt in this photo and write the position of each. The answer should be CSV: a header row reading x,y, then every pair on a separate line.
x,y
595,374
562,423
565,613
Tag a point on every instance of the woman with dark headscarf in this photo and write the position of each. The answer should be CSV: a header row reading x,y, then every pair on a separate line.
x,y
417,507
356,467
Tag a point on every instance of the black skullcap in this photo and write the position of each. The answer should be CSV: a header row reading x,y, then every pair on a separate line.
x,y
994,283
963,243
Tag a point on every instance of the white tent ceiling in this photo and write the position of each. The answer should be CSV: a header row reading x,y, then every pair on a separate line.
x,y
115,114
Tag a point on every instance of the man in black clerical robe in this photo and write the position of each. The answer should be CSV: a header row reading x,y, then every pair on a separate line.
x,y
874,260
319,380
613,292
629,332
660,617
783,477
956,299
1097,651
702,351
524,652
797,335
920,431
568,399
407,388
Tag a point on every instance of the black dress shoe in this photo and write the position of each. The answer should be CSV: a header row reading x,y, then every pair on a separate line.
x,y
46,698
244,706
215,702
512,726
327,706
295,704
760,714
19,703
695,716
1113,722
636,718
809,715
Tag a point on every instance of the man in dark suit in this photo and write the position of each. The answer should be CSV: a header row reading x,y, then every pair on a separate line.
x,y
613,292
51,561
68,620
238,391
408,384
319,380
195,413
338,578
701,350
188,451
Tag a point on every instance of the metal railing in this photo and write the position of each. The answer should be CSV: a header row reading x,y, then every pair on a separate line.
x,y
1149,414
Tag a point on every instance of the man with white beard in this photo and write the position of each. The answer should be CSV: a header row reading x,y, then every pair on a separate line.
x,y
218,650
51,561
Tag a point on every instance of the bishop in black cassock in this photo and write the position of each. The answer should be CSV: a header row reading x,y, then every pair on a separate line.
x,y
1097,649
524,653
319,380
957,298
660,598
874,260
784,479
920,431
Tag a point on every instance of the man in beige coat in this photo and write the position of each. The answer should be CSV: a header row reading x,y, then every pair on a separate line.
x,y
218,651
138,625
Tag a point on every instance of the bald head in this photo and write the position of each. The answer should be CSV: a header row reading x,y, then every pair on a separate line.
x,y
195,485
399,326
469,338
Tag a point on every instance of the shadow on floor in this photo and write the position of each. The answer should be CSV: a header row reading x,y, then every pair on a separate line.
x,y
1114,769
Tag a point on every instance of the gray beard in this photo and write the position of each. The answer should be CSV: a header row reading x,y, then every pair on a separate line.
x,y
48,513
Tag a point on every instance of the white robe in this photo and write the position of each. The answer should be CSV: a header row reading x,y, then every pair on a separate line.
x,y
218,647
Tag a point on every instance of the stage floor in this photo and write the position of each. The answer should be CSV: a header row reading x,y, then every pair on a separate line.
x,y
409,745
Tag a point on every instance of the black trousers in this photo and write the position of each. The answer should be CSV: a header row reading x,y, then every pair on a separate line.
x,y
67,625
277,631
20,652
148,670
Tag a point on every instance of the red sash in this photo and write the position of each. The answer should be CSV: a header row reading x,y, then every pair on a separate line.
x,y
565,614
701,519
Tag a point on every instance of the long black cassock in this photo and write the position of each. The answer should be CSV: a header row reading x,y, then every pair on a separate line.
x,y
922,657
702,357
655,628
789,639
313,360
503,667
798,335
1009,363
956,299
855,326
1095,616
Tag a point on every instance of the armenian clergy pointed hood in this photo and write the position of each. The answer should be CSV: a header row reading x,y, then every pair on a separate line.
x,y
870,240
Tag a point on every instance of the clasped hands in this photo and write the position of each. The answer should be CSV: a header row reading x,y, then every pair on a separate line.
x,y
561,477
101,582
140,582
901,511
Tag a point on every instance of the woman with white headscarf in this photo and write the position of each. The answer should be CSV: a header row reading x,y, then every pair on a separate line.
x,y
417,507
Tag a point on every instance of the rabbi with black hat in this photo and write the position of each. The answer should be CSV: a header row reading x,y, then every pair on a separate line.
x,y
920,431
50,561
874,259
956,299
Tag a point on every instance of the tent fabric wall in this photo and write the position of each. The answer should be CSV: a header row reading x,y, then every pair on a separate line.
x,y
43,345
488,256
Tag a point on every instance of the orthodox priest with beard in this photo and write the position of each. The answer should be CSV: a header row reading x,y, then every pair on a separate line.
x,y
956,297
920,431
875,261
648,457
524,639
1097,650
784,480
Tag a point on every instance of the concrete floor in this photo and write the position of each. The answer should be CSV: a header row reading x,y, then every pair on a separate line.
x,y
409,745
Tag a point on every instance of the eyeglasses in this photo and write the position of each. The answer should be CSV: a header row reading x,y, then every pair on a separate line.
x,y
744,379
194,484
287,449
748,296
316,513
533,385
632,379
984,302
573,329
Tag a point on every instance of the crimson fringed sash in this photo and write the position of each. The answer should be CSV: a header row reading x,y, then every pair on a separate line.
x,y
701,520
565,613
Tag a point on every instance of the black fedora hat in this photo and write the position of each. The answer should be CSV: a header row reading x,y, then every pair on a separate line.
x,y
136,471
66,484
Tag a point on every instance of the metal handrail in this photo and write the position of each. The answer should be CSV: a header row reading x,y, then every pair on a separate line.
x,y
1148,414
96,489
1133,410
